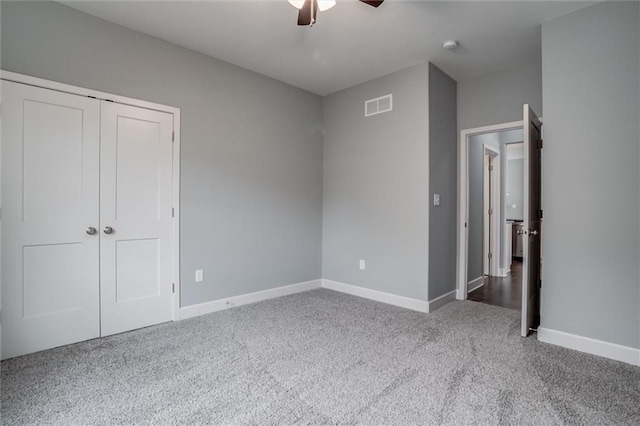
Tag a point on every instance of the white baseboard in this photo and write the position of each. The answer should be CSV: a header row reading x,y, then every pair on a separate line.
x,y
475,284
589,345
440,301
378,296
245,299
504,272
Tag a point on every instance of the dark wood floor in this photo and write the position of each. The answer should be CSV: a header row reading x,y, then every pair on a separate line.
x,y
505,292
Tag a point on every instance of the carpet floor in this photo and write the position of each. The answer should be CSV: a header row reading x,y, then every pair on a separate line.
x,y
322,357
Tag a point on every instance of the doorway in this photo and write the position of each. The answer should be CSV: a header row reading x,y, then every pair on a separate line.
x,y
491,272
505,288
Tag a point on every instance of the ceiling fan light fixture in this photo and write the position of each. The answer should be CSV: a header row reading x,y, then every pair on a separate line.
x,y
322,4
325,4
297,3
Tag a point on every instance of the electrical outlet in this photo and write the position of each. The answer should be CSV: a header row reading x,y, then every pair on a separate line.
x,y
199,275
436,199
362,265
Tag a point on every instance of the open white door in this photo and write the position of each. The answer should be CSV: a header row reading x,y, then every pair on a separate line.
x,y
50,163
135,213
531,266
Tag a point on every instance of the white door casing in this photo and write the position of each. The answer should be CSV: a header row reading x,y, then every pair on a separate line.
x,y
491,200
50,270
462,247
136,203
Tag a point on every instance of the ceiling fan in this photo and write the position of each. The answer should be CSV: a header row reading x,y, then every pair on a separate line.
x,y
309,8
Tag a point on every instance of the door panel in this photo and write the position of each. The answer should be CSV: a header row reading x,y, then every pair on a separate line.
x,y
532,261
52,280
137,272
50,266
135,182
52,147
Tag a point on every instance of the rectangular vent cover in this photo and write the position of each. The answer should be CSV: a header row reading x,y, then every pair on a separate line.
x,y
378,105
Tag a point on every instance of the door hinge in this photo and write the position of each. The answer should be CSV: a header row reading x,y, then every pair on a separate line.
x,y
490,212
465,224
173,136
541,213
173,212
540,144
490,168
173,287
490,255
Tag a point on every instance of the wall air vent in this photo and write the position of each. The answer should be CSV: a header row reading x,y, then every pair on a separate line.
x,y
378,105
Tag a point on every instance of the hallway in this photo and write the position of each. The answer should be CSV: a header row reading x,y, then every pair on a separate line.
x,y
498,291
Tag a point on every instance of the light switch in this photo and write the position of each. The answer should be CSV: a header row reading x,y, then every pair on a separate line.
x,y
199,275
436,199
362,265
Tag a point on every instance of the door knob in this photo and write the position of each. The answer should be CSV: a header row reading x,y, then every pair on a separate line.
x,y
91,230
533,232
108,230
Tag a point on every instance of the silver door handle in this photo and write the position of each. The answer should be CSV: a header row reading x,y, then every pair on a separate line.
x,y
108,230
91,230
533,232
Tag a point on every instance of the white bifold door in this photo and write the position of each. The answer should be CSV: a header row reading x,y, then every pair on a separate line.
x,y
86,218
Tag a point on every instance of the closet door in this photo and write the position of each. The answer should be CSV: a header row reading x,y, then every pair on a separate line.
x,y
135,216
50,269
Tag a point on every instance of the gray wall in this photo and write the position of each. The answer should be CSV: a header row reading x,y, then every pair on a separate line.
x,y
376,186
443,178
591,197
515,185
251,158
498,97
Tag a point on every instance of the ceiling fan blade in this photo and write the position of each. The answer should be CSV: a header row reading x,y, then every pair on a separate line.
x,y
373,3
308,13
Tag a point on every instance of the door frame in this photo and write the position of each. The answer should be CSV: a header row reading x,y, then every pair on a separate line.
x,y
492,192
175,181
462,247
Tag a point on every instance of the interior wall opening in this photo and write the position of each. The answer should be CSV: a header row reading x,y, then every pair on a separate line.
x,y
495,176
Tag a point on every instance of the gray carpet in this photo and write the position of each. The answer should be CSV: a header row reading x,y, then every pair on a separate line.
x,y
322,357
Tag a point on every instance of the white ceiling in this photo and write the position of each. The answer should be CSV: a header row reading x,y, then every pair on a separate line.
x,y
351,43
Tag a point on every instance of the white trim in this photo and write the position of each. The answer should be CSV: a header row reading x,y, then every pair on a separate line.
x,y
462,252
473,284
440,301
378,296
590,346
175,234
81,91
504,272
245,299
491,156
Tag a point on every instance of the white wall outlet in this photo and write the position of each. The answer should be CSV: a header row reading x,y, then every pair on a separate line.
x,y
362,265
199,275
436,199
